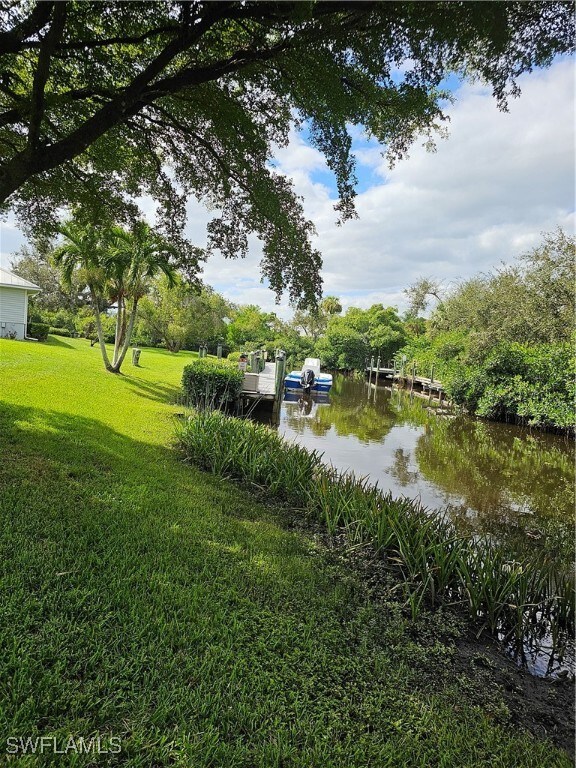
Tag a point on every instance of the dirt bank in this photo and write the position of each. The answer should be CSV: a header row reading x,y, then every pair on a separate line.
x,y
489,678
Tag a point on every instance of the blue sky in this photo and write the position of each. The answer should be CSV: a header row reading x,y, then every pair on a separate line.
x,y
485,196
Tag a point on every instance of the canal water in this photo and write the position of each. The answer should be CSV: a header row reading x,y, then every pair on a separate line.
x,y
507,481
494,478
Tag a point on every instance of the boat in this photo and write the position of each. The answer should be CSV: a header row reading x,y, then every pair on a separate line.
x,y
309,379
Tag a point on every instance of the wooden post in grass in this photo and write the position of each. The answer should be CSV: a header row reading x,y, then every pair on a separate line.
x,y
413,377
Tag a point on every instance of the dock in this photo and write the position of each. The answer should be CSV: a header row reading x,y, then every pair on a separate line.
x,y
260,386
264,388
403,377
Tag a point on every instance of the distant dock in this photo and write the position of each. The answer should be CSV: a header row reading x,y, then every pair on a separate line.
x,y
261,386
405,376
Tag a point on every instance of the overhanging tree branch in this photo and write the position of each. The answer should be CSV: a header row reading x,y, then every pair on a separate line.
x,y
13,41
42,72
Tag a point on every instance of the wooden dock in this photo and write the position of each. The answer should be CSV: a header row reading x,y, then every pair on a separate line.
x,y
405,377
260,386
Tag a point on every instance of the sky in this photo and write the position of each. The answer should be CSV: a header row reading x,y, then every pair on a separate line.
x,y
482,198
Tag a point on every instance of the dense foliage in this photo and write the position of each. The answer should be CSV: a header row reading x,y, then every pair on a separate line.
x,y
38,331
103,103
60,332
211,383
342,347
502,343
532,384
351,339
181,316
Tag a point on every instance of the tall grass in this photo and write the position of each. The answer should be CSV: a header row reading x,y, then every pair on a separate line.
x,y
435,563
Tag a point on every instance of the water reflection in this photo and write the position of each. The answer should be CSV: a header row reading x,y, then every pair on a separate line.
x,y
494,478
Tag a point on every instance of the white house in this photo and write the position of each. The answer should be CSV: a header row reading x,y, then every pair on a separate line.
x,y
14,292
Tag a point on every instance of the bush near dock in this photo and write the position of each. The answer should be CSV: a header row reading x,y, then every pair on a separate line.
x,y
211,383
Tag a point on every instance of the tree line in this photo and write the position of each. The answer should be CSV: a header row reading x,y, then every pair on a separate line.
x,y
502,343
120,286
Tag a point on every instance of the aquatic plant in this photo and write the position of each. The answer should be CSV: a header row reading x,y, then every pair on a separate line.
x,y
435,563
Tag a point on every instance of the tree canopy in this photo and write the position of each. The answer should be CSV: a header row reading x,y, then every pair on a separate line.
x,y
181,315
531,301
312,323
103,102
502,342
350,339
33,264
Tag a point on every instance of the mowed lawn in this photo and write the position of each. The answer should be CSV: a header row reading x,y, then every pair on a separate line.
x,y
146,601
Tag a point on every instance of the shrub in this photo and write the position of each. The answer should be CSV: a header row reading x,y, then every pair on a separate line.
x,y
38,331
63,319
211,383
342,349
530,384
59,332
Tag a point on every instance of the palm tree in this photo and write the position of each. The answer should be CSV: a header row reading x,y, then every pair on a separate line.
x,y
81,254
117,266
131,260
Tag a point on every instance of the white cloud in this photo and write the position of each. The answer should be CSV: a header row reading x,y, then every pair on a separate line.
x,y
484,197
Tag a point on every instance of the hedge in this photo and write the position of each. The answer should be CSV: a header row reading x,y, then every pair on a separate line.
x,y
59,332
211,383
38,331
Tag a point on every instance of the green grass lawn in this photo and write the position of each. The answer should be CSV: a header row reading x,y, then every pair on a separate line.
x,y
144,600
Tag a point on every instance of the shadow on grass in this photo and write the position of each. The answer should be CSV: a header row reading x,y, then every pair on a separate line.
x,y
79,474
152,390
57,341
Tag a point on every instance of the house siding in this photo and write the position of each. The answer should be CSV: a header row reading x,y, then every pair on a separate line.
x,y
13,312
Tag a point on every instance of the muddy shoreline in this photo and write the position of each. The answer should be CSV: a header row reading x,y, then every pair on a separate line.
x,y
543,706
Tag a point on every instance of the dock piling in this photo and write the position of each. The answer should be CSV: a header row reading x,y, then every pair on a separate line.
x,y
280,375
